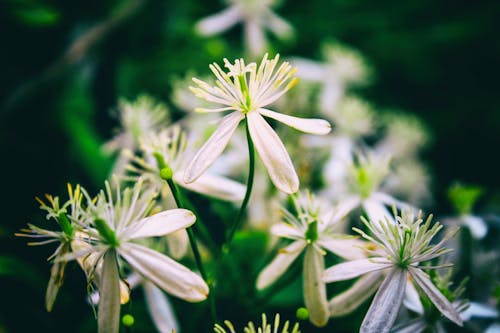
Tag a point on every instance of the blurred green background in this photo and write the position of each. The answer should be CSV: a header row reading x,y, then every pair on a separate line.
x,y
64,64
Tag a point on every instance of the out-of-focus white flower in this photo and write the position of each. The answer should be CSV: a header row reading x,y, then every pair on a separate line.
x,y
246,90
265,327
256,16
65,215
342,67
115,221
137,118
406,245
165,152
404,135
312,230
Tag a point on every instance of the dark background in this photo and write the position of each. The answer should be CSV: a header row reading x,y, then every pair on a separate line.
x,y
437,59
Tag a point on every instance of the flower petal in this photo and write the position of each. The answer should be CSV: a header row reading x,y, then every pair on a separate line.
x,y
214,186
178,243
280,263
314,287
219,22
161,224
385,306
477,226
351,269
273,154
307,125
286,230
437,298
213,147
349,300
166,273
412,299
109,295
416,325
347,248
160,308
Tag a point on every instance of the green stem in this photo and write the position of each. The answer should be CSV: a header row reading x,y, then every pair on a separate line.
x,y
251,172
194,246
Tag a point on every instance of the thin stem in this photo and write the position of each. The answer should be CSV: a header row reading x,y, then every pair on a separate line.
x,y
251,172
194,246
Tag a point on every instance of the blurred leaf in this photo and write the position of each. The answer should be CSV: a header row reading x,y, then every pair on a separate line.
x,y
19,269
463,197
38,16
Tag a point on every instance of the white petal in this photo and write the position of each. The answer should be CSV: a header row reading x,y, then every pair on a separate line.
x,y
416,325
109,295
347,248
278,26
161,224
479,310
412,299
166,273
437,298
314,287
178,243
280,263
349,300
330,95
286,230
309,70
493,328
478,228
376,212
214,186
345,206
219,22
351,269
313,126
254,38
273,154
213,147
385,306
160,309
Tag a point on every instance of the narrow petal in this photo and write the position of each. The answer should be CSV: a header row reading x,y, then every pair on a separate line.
x,y
416,325
286,230
349,300
166,273
254,37
313,126
330,95
219,22
385,306
347,248
178,243
213,147
278,26
160,308
55,282
109,295
279,264
314,287
351,269
412,299
161,224
478,228
478,310
441,303
273,154
214,186
310,70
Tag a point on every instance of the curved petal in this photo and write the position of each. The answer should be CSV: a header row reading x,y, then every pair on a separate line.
x,y
213,147
351,269
286,231
280,263
214,186
219,22
160,309
349,300
437,298
178,243
412,299
347,248
166,273
307,125
108,318
385,306
161,224
314,287
273,154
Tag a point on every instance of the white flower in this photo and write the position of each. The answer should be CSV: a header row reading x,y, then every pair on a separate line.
x,y
406,244
246,90
265,327
256,16
65,215
343,67
166,150
115,222
312,232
